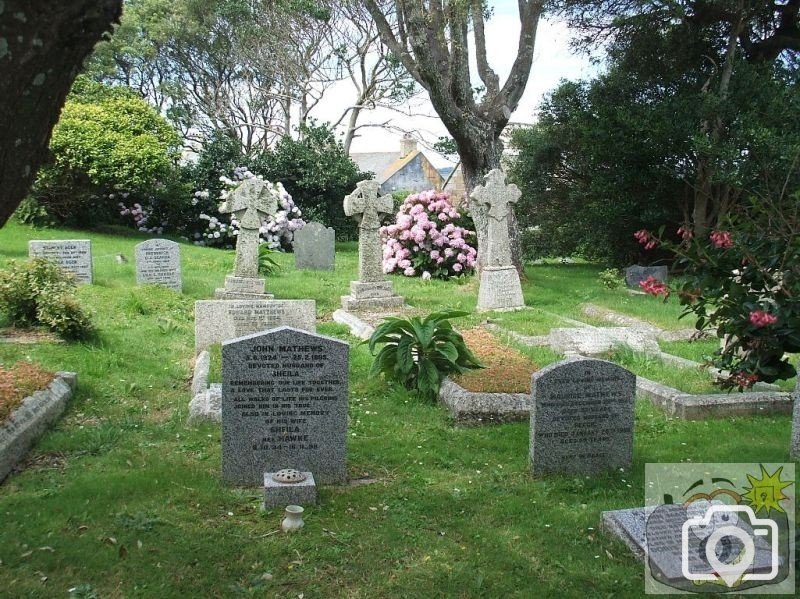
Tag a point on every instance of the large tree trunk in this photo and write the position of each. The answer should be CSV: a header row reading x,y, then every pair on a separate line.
x,y
42,47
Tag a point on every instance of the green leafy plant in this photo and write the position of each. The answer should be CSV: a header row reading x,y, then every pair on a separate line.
x,y
38,292
266,264
611,278
419,353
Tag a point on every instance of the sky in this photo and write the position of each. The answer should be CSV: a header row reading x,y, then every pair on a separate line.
x,y
553,61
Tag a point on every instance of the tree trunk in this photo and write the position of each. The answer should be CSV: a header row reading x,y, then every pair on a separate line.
x,y
42,47
351,127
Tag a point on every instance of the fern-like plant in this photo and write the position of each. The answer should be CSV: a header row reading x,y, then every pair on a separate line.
x,y
419,353
266,264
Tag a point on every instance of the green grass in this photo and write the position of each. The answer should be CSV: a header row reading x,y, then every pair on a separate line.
x,y
122,499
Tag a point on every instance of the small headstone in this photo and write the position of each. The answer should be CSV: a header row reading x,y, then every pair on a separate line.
x,y
250,203
314,247
284,405
500,288
581,418
795,449
372,290
216,321
72,255
279,492
158,262
636,274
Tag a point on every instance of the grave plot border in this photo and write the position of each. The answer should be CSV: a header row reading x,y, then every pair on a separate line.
x,y
23,428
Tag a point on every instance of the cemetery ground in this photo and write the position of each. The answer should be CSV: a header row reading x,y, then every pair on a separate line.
x,y
122,498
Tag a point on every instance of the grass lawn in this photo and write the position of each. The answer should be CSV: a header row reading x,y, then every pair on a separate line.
x,y
122,499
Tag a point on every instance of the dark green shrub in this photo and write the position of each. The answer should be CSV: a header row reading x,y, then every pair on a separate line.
x,y
38,292
266,264
317,173
420,353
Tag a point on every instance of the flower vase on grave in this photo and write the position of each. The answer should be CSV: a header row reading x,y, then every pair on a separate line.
x,y
293,519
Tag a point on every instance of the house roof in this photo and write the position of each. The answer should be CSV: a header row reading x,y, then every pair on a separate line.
x,y
383,164
375,162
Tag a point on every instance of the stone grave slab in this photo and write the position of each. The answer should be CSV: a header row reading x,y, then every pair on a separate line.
x,y
636,274
158,262
581,417
216,321
653,533
592,341
314,247
284,405
72,255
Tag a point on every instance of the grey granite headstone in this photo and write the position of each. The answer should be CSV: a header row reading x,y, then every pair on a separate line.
x,y
216,321
158,262
72,255
581,417
250,203
500,288
314,247
284,405
636,274
795,449
372,290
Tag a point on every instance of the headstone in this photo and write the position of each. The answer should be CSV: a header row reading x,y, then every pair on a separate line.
x,y
216,321
314,247
158,262
636,274
250,203
72,255
284,405
581,417
795,449
372,290
500,288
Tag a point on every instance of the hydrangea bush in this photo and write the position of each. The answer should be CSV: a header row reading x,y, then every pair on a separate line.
x,y
744,281
209,228
427,240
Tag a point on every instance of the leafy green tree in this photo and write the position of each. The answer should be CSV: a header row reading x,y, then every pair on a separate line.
x,y
687,120
108,142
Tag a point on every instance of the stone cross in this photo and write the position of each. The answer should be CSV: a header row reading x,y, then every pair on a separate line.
x,y
367,208
498,197
250,203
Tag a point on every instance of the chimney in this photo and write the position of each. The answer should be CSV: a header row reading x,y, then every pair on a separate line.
x,y
407,145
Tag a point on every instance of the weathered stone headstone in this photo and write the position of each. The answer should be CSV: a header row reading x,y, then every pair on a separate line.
x,y
581,417
636,274
372,290
72,255
158,262
284,405
795,449
216,321
314,247
250,203
500,287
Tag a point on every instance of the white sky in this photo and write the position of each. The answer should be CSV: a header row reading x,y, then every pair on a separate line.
x,y
553,60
